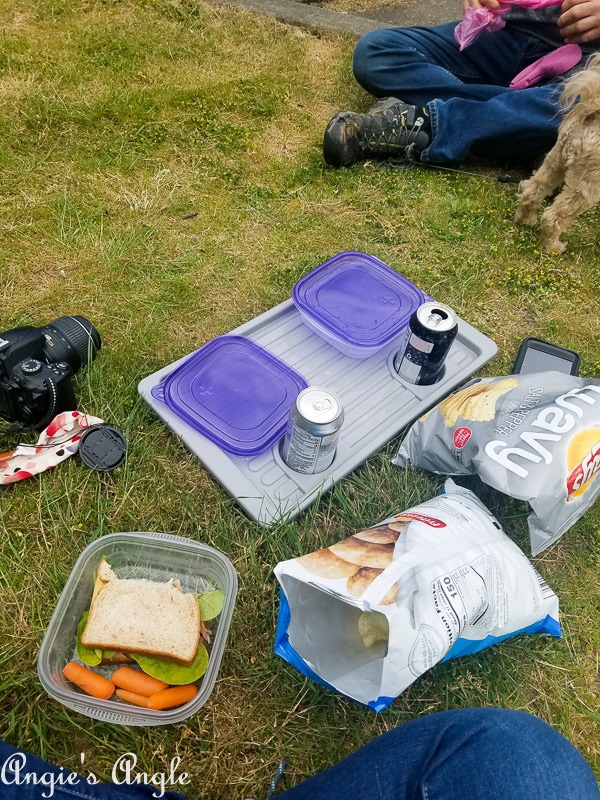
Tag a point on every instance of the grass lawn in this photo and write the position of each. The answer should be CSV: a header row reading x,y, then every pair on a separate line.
x,y
161,174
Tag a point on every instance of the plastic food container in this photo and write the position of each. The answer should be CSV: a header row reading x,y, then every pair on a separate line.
x,y
356,303
234,392
156,556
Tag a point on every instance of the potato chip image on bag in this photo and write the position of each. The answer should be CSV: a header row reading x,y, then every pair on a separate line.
x,y
476,402
535,437
370,614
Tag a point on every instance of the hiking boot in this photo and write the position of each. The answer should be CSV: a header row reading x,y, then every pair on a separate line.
x,y
390,128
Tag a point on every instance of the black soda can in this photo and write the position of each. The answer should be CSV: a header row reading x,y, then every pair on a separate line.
x,y
431,330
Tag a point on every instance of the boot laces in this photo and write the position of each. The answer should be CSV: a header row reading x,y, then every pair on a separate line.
x,y
387,131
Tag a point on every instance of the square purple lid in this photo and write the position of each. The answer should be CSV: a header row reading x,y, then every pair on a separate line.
x,y
235,393
357,299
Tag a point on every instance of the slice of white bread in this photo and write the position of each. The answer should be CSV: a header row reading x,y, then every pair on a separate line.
x,y
143,616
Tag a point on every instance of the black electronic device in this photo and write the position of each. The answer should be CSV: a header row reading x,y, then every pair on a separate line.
x,y
536,355
36,366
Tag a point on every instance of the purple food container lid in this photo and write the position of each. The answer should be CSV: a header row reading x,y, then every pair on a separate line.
x,y
235,393
358,299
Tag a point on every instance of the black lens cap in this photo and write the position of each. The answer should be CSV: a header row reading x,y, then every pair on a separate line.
x,y
102,447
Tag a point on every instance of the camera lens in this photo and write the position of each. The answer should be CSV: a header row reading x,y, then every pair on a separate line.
x,y
71,339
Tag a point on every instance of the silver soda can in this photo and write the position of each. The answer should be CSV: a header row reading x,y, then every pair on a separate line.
x,y
431,330
313,430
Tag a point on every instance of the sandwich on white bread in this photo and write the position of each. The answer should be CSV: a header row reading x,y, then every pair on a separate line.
x,y
136,615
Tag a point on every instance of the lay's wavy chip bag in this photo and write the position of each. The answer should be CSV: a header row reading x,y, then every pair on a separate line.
x,y
535,437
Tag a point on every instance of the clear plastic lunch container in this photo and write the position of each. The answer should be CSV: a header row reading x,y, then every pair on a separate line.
x,y
356,303
157,557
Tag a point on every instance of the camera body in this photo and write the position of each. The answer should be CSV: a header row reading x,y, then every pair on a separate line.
x,y
37,366
33,387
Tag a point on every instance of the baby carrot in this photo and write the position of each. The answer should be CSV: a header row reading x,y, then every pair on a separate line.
x,y
88,681
175,696
133,697
135,681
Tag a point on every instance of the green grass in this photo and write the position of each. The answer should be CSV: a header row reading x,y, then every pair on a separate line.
x,y
161,174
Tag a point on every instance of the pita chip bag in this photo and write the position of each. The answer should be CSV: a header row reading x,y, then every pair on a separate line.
x,y
368,615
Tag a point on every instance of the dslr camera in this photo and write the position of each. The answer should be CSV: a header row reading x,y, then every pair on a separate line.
x,y
36,368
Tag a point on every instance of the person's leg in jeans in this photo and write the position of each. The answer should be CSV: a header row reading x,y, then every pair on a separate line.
x,y
470,754
449,103
421,64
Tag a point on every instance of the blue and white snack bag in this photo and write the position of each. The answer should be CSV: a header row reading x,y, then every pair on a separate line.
x,y
370,614
535,437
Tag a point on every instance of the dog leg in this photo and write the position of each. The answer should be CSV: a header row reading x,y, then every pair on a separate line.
x,y
542,183
567,205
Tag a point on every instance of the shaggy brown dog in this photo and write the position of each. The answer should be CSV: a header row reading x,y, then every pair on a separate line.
x,y
573,162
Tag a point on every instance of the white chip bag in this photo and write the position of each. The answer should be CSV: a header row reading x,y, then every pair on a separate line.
x,y
370,614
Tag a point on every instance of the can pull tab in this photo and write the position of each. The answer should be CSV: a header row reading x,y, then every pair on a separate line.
x,y
322,405
437,317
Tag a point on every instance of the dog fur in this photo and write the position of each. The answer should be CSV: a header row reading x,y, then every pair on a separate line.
x,y
573,163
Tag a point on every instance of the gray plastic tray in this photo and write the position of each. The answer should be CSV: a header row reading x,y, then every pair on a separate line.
x,y
377,404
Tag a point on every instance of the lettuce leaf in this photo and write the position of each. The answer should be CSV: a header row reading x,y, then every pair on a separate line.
x,y
211,604
89,656
172,673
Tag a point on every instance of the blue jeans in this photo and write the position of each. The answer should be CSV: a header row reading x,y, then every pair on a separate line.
x,y
467,754
470,754
472,109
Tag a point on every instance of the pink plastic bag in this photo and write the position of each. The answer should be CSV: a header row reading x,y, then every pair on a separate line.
x,y
555,63
477,20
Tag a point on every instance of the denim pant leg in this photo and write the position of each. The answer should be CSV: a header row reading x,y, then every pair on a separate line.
x,y
472,109
514,124
467,754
